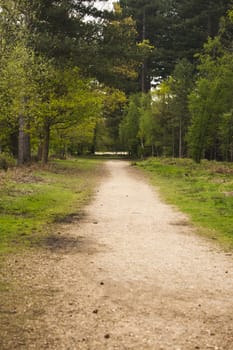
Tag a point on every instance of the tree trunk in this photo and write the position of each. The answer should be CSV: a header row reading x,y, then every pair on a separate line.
x,y
180,139
93,146
142,148
27,144
21,141
143,72
46,141
152,150
24,145
40,148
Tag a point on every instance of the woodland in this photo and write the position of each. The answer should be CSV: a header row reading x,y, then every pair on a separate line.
x,y
150,77
153,79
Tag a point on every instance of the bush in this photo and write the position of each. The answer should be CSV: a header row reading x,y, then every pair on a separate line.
x,y
6,161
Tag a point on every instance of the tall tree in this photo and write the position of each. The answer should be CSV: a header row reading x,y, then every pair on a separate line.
x,y
177,29
66,100
129,126
118,55
58,29
210,100
181,83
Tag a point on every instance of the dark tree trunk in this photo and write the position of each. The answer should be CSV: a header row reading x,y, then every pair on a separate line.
x,y
93,146
180,138
39,152
21,141
46,141
152,150
24,145
27,145
143,72
40,147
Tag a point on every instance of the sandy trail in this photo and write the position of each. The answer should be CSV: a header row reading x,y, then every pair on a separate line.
x,y
130,275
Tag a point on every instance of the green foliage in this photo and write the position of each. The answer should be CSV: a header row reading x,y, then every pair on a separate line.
x,y
181,84
58,30
162,115
210,100
226,136
117,53
203,191
6,161
17,85
177,29
107,132
46,93
66,69
69,101
129,127
145,122
168,120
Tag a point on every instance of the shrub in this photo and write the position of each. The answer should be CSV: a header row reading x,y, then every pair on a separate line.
x,y
6,161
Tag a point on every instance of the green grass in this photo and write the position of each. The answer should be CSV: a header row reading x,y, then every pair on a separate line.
x,y
32,198
203,191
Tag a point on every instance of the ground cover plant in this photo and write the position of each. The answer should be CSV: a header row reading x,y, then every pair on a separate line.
x,y
203,191
32,198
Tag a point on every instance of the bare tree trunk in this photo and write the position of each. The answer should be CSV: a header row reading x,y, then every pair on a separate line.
x,y
93,146
173,142
180,139
143,72
24,145
152,150
27,144
40,148
46,141
21,141
142,148
231,153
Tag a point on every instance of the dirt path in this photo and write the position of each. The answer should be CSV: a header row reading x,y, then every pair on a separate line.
x,y
130,275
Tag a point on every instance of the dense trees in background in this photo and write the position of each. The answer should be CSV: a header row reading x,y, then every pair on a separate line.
x,y
190,110
62,75
211,103
75,79
176,29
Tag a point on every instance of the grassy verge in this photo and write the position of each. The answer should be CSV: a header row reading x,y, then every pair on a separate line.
x,y
32,198
203,191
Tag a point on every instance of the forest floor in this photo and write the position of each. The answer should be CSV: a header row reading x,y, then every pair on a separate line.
x,y
130,274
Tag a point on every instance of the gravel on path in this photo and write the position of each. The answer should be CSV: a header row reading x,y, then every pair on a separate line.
x,y
131,274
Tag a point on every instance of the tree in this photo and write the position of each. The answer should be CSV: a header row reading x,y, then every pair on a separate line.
x,y
226,136
163,115
113,107
143,12
145,122
129,126
66,100
58,29
177,29
18,96
117,53
140,130
210,100
181,83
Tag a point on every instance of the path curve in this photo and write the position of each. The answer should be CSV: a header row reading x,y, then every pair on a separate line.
x,y
133,275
